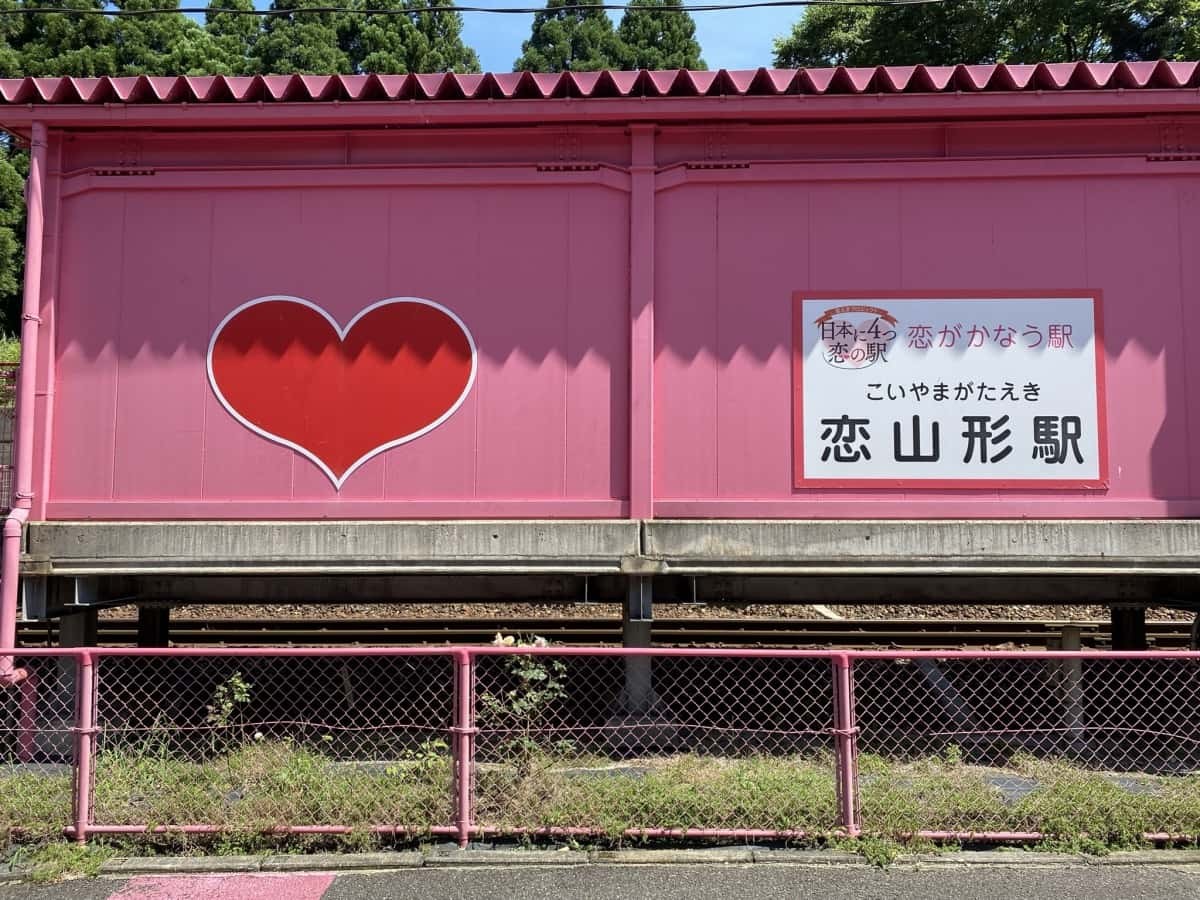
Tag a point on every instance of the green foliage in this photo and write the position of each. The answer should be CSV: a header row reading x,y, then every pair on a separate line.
x,y
14,165
10,31
522,711
426,761
37,805
10,351
425,40
225,711
985,31
160,44
879,852
232,38
228,698
684,792
661,38
262,784
579,40
59,44
313,43
55,862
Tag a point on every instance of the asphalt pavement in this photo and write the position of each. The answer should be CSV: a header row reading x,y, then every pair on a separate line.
x,y
695,882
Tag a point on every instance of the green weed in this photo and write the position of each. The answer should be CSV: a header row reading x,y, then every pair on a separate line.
x,y
58,861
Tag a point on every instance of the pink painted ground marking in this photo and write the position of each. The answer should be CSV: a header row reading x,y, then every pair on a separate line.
x,y
225,887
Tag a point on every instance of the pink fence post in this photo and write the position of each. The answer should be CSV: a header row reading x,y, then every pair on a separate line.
x,y
85,733
846,732
464,742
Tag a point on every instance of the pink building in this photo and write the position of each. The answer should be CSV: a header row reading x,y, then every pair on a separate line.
x,y
817,335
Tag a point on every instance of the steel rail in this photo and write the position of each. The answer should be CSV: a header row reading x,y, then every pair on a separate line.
x,y
905,633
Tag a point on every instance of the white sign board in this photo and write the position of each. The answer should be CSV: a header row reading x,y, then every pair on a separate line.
x,y
948,391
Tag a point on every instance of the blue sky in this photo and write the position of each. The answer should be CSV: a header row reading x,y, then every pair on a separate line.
x,y
734,39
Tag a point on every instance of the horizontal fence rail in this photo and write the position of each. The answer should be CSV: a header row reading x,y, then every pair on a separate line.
x,y
471,742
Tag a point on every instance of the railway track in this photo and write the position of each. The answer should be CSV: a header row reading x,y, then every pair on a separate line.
x,y
903,633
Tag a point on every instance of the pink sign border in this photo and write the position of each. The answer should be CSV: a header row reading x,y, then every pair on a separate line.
x,y
799,482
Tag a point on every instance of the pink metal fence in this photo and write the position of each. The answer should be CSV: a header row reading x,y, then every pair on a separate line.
x,y
672,743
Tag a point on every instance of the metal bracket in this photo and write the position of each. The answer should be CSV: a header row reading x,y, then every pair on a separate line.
x,y
1173,144
568,167
717,165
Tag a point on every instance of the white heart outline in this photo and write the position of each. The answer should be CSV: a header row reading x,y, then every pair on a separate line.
x,y
341,332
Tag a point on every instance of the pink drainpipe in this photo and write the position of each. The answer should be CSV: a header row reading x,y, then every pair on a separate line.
x,y
14,525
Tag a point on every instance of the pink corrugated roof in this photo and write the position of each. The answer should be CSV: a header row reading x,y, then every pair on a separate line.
x,y
527,86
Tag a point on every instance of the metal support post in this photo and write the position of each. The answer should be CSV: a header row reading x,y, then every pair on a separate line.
x,y
154,626
1072,689
78,629
636,628
1129,628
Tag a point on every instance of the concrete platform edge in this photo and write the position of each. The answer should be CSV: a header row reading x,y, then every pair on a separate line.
x,y
335,862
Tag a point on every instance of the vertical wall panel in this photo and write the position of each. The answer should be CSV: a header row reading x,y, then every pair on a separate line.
x,y
161,311
433,244
340,261
1133,255
759,268
685,340
596,422
244,268
86,377
1188,200
523,320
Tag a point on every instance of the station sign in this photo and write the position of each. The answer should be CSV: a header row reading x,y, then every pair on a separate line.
x,y
955,390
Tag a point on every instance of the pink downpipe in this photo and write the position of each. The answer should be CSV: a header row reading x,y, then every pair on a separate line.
x,y
14,525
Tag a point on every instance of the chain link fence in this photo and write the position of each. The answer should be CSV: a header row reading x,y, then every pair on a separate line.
x,y
648,745
38,746
720,744
8,397
1029,744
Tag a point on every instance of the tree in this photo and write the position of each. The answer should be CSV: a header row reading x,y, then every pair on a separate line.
x,y
659,38
161,44
985,31
59,44
424,40
10,33
309,43
14,166
233,37
439,46
580,40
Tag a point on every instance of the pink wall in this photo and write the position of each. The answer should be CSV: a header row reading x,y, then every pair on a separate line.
x,y
724,339
526,237
148,274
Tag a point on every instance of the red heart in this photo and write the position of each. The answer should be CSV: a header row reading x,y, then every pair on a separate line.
x,y
284,368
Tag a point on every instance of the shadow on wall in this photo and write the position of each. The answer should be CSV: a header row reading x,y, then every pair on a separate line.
x,y
540,276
